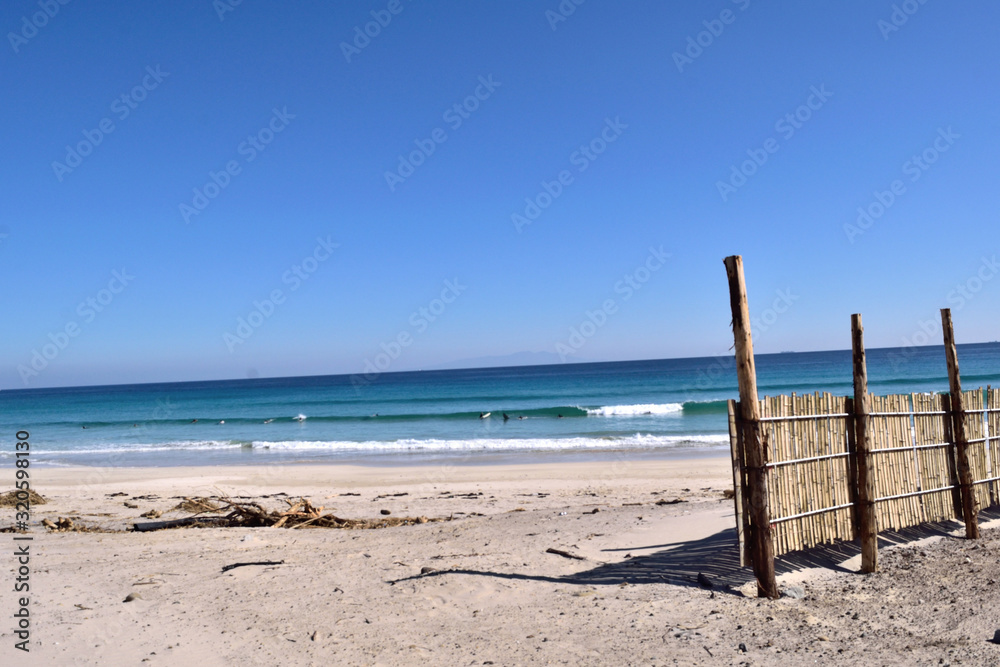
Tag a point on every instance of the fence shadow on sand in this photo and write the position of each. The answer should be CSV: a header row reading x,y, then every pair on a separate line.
x,y
716,557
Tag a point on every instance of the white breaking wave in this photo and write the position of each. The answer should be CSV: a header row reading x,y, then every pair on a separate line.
x,y
633,410
637,441
131,448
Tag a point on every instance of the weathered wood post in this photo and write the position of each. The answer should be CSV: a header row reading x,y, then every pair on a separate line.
x,y
756,458
969,514
868,525
995,470
740,488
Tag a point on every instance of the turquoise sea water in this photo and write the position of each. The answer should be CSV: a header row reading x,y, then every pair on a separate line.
x,y
665,407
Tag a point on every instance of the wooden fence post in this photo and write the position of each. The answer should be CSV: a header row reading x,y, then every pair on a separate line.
x,y
949,437
868,525
958,428
756,471
852,466
739,488
995,464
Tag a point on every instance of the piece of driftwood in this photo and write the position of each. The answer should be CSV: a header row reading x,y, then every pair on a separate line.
x,y
178,523
564,554
197,505
227,568
299,514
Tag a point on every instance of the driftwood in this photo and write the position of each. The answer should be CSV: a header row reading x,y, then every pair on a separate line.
x,y
389,495
564,554
198,505
300,514
177,523
227,568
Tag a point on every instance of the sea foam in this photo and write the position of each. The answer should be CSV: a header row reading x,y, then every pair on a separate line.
x,y
635,410
636,441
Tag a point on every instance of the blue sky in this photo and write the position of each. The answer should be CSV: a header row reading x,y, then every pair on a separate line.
x,y
642,109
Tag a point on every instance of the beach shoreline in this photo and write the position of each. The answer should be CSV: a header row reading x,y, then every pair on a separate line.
x,y
580,563
315,477
414,459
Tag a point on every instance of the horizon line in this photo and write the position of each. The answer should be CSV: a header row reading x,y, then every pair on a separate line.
x,y
473,368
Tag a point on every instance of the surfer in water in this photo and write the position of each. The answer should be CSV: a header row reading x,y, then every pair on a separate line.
x,y
505,417
484,415
268,421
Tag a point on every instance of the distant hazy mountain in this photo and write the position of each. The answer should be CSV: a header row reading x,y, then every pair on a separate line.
x,y
515,359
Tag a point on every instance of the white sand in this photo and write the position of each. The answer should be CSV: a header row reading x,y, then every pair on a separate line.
x,y
356,597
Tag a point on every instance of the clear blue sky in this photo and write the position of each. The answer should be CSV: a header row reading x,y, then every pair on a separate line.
x,y
197,86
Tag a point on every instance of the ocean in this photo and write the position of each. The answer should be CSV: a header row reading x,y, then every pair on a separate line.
x,y
658,408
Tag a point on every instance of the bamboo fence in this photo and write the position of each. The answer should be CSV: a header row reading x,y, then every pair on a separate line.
x,y
914,480
808,466
819,468
812,468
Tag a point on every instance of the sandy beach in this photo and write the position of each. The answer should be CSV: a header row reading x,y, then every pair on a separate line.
x,y
482,587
